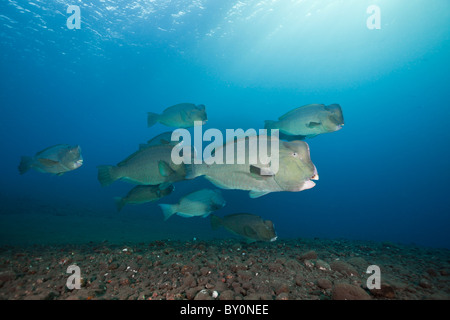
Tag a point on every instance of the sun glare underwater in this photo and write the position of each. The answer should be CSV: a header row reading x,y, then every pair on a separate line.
x,y
87,76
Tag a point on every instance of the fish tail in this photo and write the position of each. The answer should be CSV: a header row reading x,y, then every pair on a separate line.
x,y
25,164
168,210
152,119
120,202
216,222
270,124
107,175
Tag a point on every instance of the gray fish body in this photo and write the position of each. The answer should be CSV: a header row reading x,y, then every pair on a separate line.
x,y
249,226
181,115
294,174
143,194
309,120
57,160
149,166
164,138
198,203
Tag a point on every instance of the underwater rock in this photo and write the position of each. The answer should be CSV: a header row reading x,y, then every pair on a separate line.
x,y
324,283
7,276
343,267
322,265
345,291
310,255
226,295
386,291
282,296
359,263
425,283
203,295
280,287
299,279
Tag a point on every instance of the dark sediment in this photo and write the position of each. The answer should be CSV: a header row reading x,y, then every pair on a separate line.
x,y
225,270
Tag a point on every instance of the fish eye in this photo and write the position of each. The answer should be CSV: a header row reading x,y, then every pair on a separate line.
x,y
294,154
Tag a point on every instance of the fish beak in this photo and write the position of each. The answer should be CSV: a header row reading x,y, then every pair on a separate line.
x,y
273,239
315,176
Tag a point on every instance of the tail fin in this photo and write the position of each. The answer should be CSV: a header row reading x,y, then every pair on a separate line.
x,y
25,164
168,210
120,202
270,124
152,119
216,222
107,175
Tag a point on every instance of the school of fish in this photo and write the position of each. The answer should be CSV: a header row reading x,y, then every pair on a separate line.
x,y
153,172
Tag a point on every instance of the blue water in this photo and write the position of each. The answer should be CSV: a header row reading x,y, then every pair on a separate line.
x,y
385,176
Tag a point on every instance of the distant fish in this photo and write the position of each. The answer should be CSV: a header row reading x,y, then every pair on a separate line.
x,y
150,165
198,203
57,159
143,194
181,115
249,226
296,170
308,121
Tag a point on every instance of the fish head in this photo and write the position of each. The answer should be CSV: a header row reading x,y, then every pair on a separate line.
x,y
168,190
267,231
217,200
296,170
261,230
333,118
198,113
72,158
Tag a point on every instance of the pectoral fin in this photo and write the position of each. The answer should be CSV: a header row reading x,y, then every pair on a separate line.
x,y
313,124
164,169
48,162
164,185
256,194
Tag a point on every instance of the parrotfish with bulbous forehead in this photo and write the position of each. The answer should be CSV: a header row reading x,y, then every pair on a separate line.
x,y
195,204
143,194
249,226
308,121
294,173
181,115
57,160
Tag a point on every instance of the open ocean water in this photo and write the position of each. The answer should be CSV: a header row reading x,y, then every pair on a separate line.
x,y
384,177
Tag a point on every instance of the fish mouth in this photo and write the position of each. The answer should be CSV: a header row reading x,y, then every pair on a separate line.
x,y
273,239
315,175
79,162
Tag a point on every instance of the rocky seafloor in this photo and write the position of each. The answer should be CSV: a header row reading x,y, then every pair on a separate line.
x,y
306,269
